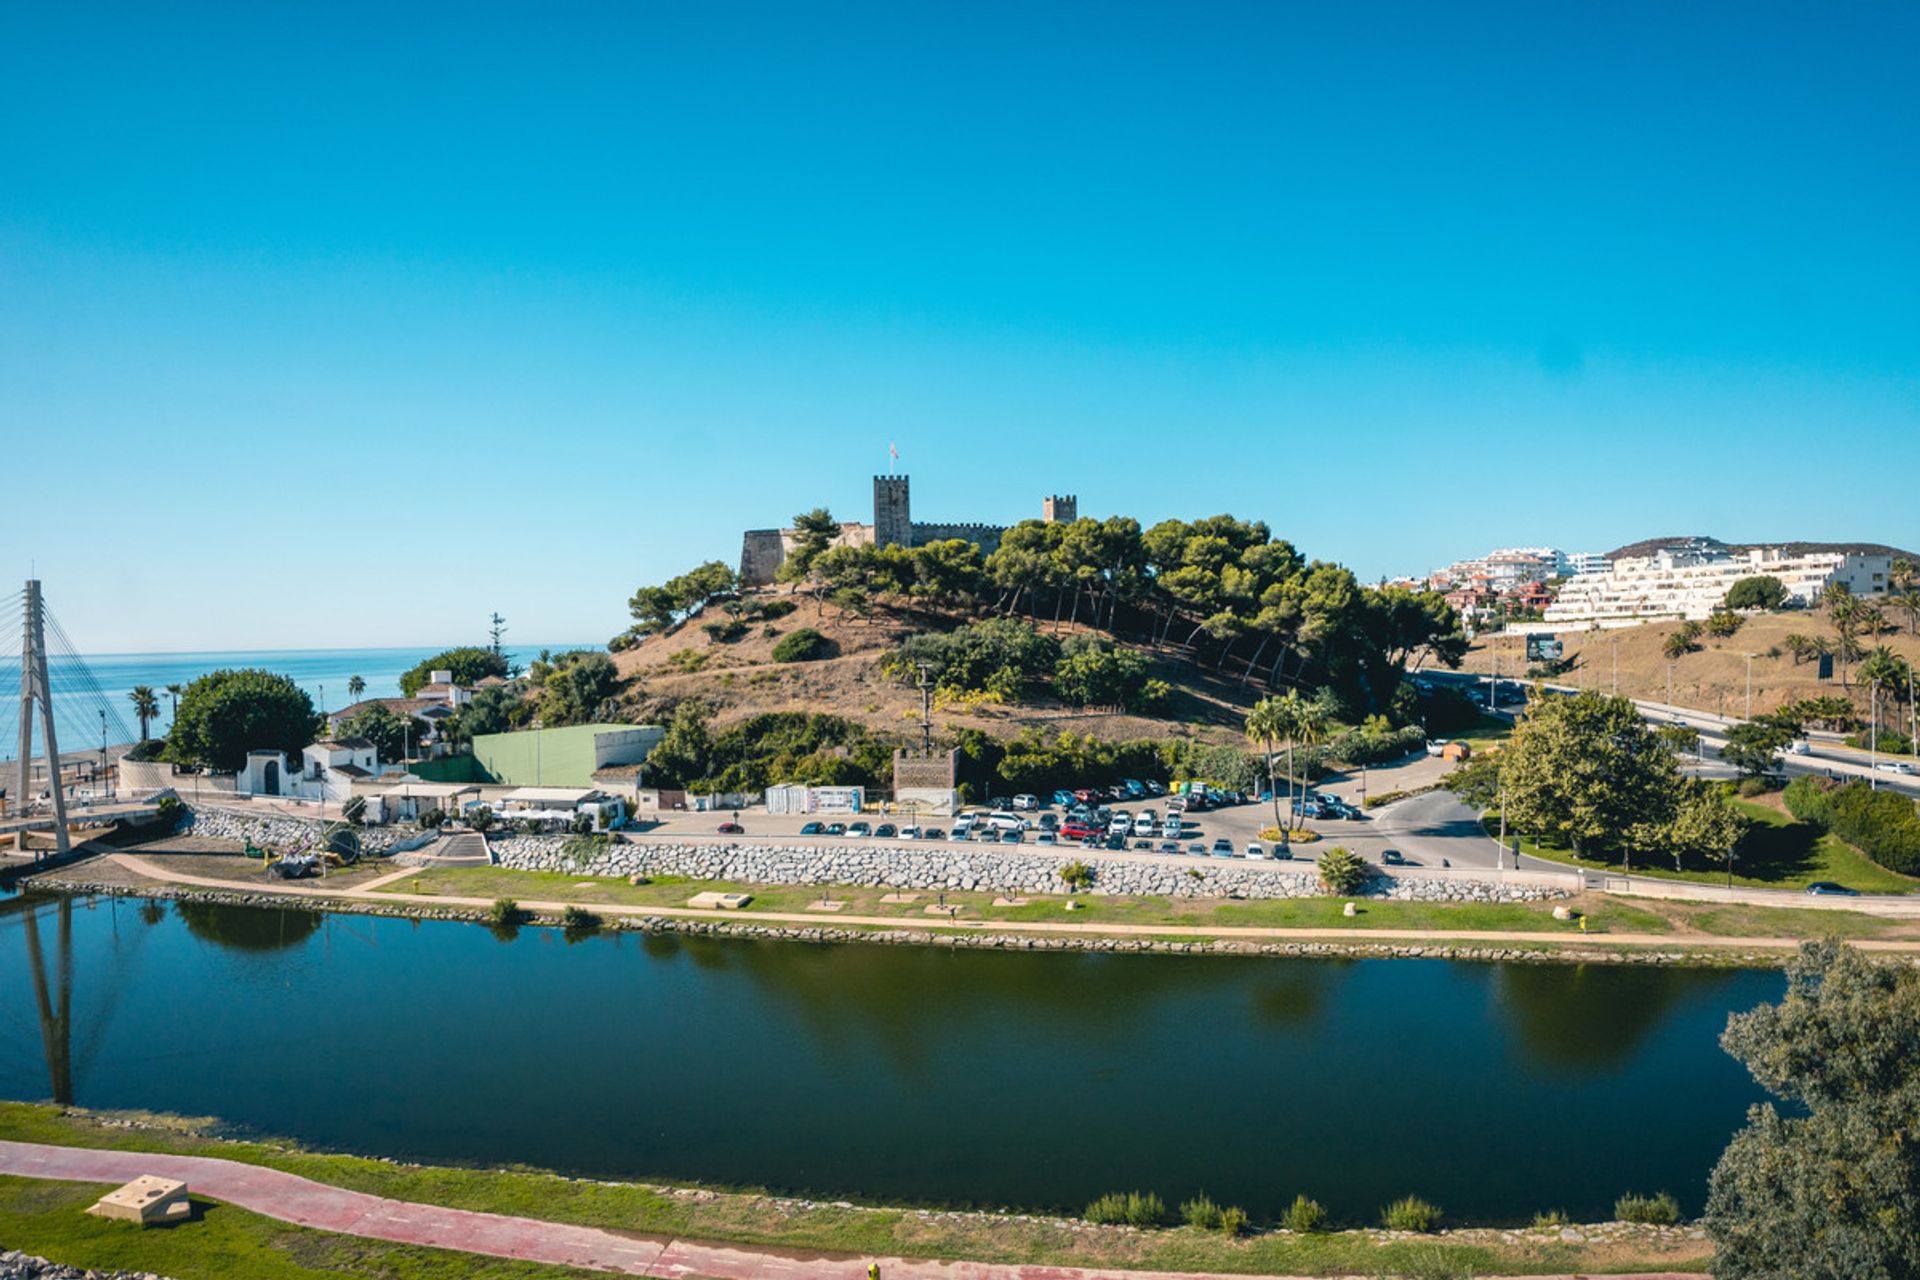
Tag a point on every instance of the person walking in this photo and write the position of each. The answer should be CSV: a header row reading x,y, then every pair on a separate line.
x,y
873,1271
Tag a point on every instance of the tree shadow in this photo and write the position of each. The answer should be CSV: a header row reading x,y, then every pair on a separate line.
x,y
1773,853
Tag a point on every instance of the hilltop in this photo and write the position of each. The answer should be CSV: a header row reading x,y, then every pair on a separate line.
x,y
740,677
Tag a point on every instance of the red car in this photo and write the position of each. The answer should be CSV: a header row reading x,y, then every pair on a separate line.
x,y
1076,831
732,829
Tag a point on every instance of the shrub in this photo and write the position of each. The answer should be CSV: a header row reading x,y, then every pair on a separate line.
x,y
1135,1208
1076,876
803,645
504,911
1723,623
769,610
169,812
580,851
1751,787
1410,1214
1550,1218
724,632
1660,1211
1884,825
1342,871
581,824
1201,1212
577,919
688,660
354,811
1233,1220
1427,1262
480,817
1305,1215
432,819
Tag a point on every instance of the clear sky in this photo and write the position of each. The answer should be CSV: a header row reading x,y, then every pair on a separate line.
x,y
347,324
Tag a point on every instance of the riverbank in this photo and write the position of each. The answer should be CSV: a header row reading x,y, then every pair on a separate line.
x,y
798,1229
1677,933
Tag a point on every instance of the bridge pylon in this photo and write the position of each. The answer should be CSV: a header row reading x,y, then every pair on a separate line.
x,y
35,687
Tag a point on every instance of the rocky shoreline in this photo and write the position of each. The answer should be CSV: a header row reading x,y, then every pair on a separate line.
x,y
24,1266
1550,949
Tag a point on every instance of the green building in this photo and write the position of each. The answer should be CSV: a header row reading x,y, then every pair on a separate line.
x,y
562,757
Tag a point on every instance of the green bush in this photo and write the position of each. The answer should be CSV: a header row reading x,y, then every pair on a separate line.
x,y
1891,742
1233,1220
578,920
1884,825
504,911
1134,1208
1750,787
1076,876
803,645
1201,1212
1660,1211
1342,871
1305,1215
724,632
479,818
432,819
1550,1218
1410,1214
768,610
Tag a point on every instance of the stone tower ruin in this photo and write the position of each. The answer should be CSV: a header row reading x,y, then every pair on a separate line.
x,y
892,514
1060,508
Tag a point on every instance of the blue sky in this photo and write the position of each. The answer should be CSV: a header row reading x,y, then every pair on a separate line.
x,y
346,325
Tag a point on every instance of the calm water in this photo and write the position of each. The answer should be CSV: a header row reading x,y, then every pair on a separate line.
x,y
885,1072
323,673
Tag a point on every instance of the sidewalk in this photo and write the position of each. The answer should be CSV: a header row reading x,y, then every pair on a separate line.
x,y
1231,933
325,1208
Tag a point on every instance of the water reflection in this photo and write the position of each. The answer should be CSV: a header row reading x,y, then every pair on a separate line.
x,y
248,928
53,997
1595,1017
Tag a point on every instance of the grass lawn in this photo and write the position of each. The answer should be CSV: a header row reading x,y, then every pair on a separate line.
x,y
1777,853
1489,731
1605,915
1743,921
45,1218
222,1242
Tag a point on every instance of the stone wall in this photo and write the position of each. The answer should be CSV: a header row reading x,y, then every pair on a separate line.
x,y
908,866
157,775
277,830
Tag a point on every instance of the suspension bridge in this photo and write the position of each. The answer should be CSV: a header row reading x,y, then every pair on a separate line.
x,y
43,787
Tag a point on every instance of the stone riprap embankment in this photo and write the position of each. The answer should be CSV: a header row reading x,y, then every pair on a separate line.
x,y
276,830
24,1266
916,867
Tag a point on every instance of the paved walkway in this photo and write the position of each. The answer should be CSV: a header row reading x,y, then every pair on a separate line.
x,y
325,1208
1232,933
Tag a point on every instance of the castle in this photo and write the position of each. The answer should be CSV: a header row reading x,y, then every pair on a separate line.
x,y
763,550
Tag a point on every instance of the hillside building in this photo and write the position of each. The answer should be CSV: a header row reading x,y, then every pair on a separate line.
x,y
1688,577
762,551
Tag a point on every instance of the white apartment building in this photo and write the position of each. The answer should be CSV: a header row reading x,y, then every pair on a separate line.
x,y
1574,563
1690,580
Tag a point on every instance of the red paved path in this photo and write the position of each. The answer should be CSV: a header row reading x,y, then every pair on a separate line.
x,y
324,1208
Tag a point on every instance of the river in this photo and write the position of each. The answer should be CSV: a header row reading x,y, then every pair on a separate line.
x,y
889,1073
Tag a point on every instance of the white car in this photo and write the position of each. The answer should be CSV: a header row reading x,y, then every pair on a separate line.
x,y
1894,766
1120,825
1256,851
962,826
1001,820
1800,747
1143,822
1436,746
1026,802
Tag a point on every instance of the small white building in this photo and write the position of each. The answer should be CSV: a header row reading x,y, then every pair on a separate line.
x,y
557,806
327,771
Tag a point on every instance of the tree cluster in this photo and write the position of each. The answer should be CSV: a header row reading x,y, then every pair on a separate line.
x,y
1587,773
576,687
660,608
1762,591
225,714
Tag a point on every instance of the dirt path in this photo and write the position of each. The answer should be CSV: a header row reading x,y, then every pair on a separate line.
x,y
1248,933
326,1208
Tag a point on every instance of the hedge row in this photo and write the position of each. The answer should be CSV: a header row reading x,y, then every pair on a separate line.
x,y
1884,825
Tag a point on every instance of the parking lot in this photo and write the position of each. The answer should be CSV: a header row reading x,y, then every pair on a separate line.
x,y
1372,835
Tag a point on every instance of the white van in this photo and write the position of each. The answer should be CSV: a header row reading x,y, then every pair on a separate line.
x,y
1143,823
1002,820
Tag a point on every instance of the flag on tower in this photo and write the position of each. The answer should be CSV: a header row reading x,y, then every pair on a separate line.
x,y
893,449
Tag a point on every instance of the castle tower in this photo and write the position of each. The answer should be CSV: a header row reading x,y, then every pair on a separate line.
x,y
1060,508
892,516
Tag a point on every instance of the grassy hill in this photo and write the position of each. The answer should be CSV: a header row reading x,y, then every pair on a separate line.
x,y
1714,678
740,677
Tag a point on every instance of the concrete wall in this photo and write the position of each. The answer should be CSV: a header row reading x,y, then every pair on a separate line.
x,y
153,775
544,757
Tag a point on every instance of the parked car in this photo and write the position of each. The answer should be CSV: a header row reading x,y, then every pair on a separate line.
x,y
886,831
1799,747
813,829
1824,888
932,833
1197,850
909,833
732,829
1144,822
1119,825
1255,850
1134,786
1334,807
1436,747
1394,858
1223,848
999,802
859,830
1026,802
1011,837
835,829
1169,846
1076,830
962,826
1049,821
1063,798
1046,837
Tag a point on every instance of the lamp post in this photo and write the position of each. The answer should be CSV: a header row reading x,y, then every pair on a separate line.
x,y
1750,658
1873,735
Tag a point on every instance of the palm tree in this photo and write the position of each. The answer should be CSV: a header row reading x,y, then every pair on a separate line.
x,y
1309,730
173,693
1272,718
355,687
145,705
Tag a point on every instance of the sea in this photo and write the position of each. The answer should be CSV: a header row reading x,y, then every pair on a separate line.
x,y
110,677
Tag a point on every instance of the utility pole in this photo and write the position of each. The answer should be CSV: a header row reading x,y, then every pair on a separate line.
x,y
34,686
1613,643
926,713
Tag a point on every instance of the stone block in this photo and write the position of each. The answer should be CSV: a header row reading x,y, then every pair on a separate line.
x,y
145,1200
